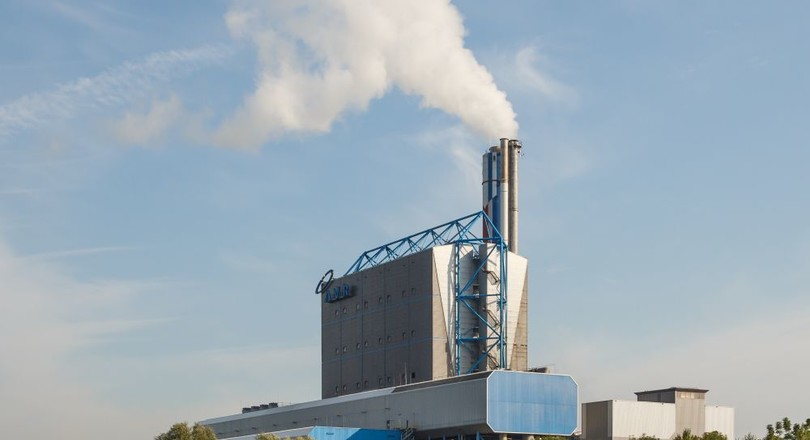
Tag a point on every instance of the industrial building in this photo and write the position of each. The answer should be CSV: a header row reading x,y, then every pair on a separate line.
x,y
427,336
396,324
492,404
661,413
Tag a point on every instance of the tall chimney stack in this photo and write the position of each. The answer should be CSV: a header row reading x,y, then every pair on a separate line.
x,y
503,191
500,189
514,155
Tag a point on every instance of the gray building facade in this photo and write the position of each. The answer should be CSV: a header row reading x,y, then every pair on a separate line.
x,y
662,413
690,406
393,324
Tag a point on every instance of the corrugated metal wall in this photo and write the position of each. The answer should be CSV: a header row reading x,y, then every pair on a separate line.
x,y
720,419
633,419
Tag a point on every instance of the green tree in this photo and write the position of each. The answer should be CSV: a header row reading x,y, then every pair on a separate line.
x,y
645,437
714,435
181,431
200,432
686,435
785,430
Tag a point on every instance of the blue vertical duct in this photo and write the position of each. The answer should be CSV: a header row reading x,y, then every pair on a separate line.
x,y
491,184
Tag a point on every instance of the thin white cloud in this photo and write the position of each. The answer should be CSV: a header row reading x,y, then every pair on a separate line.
x,y
450,193
528,66
116,86
39,332
78,252
54,384
464,148
81,16
146,128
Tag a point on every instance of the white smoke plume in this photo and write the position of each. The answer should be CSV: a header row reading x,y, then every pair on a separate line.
x,y
321,58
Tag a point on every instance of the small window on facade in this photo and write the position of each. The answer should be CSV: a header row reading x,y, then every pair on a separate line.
x,y
344,387
388,298
390,381
413,333
357,386
337,389
413,291
344,310
357,307
379,340
403,294
344,349
358,346
365,304
337,350
336,312
365,384
403,335
389,338
413,375
379,381
365,343
379,300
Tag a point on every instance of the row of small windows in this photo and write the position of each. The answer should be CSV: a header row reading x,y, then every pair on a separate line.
x,y
365,303
380,383
388,338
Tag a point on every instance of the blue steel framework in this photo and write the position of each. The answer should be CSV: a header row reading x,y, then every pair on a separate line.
x,y
468,297
460,233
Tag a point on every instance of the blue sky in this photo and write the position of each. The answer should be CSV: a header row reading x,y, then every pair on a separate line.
x,y
166,210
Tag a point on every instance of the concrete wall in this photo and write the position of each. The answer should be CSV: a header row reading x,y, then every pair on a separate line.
x,y
690,411
596,420
518,306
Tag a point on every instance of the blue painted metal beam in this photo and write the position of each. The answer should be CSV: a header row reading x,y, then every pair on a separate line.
x,y
456,231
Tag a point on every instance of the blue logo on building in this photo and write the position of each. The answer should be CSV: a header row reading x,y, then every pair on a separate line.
x,y
338,293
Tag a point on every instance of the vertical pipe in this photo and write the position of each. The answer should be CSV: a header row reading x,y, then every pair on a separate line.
x,y
485,172
504,190
489,188
514,154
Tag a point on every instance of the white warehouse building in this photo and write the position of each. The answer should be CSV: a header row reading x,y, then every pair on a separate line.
x,y
659,413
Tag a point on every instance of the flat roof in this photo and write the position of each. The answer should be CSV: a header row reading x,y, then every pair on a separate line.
x,y
354,396
687,390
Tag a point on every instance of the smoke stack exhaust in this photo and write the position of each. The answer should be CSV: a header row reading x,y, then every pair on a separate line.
x,y
500,190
